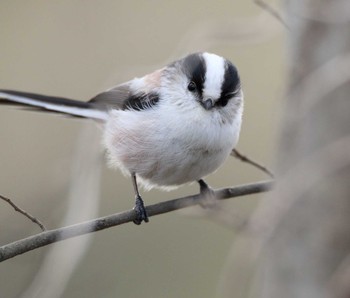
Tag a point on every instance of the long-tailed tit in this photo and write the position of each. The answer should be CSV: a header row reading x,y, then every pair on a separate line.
x,y
173,126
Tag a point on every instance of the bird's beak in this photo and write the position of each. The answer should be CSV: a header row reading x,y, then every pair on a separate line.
x,y
207,104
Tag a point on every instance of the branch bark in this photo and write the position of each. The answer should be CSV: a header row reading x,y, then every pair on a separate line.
x,y
25,213
248,160
45,238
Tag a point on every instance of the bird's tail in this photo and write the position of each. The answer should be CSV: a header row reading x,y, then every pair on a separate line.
x,y
53,104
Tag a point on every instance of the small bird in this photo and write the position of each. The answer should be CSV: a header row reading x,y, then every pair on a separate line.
x,y
173,126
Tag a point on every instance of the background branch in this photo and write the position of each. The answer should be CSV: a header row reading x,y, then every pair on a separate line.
x,y
244,158
27,244
25,213
272,11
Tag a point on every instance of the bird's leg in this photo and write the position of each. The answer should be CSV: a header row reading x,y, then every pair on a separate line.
x,y
208,199
139,206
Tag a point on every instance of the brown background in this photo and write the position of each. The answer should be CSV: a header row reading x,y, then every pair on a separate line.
x,y
78,48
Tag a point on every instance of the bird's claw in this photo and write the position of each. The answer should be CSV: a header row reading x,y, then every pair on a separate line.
x,y
141,213
208,199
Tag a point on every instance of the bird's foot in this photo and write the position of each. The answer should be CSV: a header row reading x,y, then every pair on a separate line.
x,y
141,213
207,194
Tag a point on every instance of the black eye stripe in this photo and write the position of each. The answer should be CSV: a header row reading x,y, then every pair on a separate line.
x,y
231,79
230,84
195,68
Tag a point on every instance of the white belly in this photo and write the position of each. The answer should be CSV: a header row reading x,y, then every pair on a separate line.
x,y
165,151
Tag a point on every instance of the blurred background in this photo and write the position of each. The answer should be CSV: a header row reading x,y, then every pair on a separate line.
x,y
76,49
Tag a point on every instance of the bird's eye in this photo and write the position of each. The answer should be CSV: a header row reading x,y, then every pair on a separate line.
x,y
192,86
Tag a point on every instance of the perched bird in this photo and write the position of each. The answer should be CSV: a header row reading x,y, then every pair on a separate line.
x,y
173,126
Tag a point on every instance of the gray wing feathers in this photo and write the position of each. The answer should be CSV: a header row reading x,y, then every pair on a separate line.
x,y
113,98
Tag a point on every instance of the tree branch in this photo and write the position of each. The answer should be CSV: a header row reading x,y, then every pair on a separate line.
x,y
25,213
42,239
246,159
272,11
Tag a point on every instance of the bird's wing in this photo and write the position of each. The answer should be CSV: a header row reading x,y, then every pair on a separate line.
x,y
137,94
113,98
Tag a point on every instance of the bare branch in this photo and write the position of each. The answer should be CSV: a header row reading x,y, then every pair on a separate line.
x,y
24,245
26,214
246,159
271,10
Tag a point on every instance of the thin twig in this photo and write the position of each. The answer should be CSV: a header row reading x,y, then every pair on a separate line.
x,y
272,11
246,159
42,239
26,214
